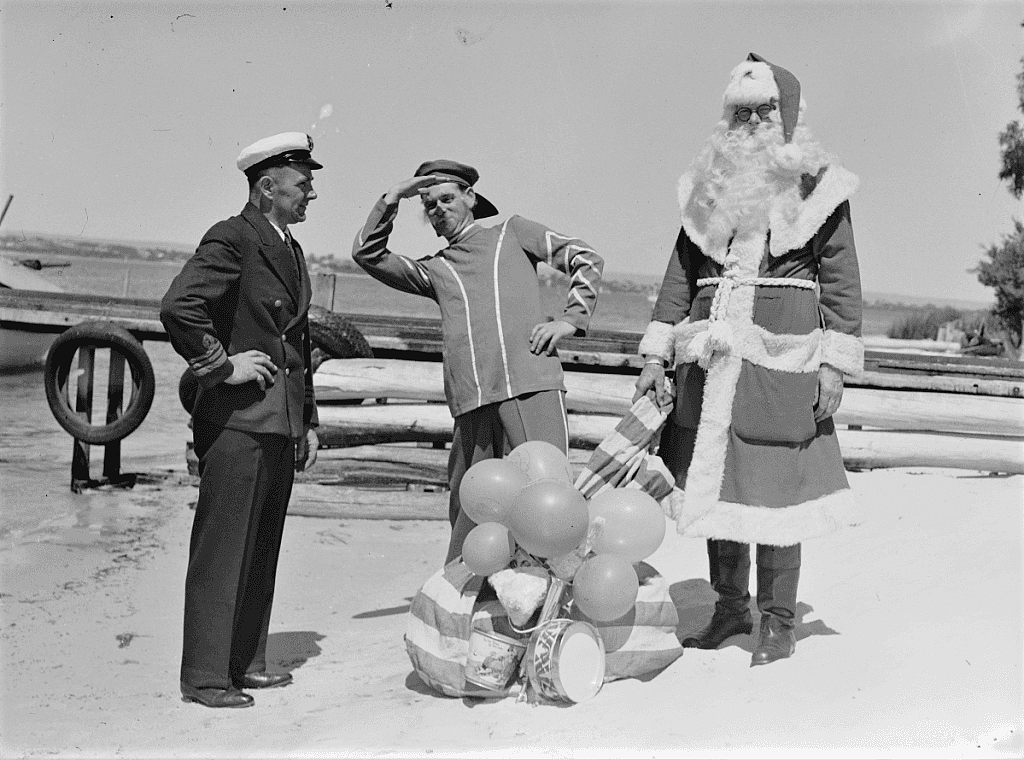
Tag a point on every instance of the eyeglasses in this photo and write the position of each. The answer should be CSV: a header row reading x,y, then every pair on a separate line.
x,y
763,112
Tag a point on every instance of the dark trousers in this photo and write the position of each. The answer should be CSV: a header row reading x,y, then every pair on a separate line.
x,y
778,574
490,432
245,483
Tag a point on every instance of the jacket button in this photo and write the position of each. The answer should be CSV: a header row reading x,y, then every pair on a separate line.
x,y
287,371
277,303
284,337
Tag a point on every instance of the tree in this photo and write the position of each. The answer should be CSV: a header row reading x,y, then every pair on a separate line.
x,y
1004,269
1012,143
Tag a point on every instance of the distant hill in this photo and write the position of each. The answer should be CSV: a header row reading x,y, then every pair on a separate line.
x,y
897,300
35,245
43,245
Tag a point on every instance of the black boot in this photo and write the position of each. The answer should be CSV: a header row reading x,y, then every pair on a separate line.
x,y
724,623
778,574
776,642
729,564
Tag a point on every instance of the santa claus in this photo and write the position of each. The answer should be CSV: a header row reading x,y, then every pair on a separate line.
x,y
759,314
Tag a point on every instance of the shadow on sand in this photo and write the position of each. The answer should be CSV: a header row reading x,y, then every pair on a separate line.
x,y
695,603
290,650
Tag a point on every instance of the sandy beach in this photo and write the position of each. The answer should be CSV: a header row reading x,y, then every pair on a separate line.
x,y
909,641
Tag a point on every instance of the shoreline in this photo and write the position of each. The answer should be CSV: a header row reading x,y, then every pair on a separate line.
x,y
909,642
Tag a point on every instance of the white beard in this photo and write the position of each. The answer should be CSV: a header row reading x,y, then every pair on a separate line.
x,y
738,177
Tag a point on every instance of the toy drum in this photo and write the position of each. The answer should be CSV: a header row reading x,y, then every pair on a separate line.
x,y
565,660
493,659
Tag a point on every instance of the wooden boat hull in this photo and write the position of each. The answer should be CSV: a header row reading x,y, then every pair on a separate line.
x,y
22,350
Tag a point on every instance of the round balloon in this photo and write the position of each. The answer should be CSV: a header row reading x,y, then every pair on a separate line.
x,y
605,587
488,548
539,460
488,488
634,523
549,518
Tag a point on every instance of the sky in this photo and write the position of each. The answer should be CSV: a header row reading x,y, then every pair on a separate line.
x,y
124,120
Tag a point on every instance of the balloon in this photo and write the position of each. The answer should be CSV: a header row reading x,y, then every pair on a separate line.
x,y
634,523
539,460
549,518
605,587
488,548
488,488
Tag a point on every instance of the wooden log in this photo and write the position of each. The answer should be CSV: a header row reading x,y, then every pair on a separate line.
x,y
877,449
862,450
390,423
601,394
939,383
338,379
867,448
939,412
338,502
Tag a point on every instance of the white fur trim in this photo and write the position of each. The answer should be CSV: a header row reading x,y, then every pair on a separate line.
x,y
836,186
695,220
782,526
657,341
707,466
844,352
780,352
749,83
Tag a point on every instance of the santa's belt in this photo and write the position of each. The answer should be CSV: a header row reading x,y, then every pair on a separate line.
x,y
718,338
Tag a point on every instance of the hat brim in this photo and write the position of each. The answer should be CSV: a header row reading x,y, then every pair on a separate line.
x,y
483,208
285,160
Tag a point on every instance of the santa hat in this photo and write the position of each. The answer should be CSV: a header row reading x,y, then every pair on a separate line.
x,y
758,80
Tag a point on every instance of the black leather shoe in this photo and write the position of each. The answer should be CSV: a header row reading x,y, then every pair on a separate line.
x,y
264,680
722,626
215,697
777,641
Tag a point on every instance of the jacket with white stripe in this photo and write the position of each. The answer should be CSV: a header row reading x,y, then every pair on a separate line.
x,y
485,283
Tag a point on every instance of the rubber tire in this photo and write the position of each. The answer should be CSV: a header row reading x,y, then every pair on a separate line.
x,y
336,336
58,369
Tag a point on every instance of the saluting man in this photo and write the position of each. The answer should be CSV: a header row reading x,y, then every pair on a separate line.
x,y
237,313
502,376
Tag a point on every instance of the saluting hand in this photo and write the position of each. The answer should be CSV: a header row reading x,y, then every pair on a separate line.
x,y
410,188
252,365
545,337
829,392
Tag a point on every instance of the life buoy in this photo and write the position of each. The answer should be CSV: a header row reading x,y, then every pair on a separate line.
x,y
57,373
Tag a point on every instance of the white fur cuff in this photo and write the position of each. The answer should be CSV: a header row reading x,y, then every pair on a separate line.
x,y
658,340
842,351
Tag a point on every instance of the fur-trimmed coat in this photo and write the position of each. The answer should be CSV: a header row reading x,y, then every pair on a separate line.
x,y
751,464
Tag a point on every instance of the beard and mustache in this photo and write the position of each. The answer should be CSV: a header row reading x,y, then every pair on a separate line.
x,y
744,177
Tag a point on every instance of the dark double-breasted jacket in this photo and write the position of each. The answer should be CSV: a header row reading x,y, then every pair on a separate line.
x,y
245,288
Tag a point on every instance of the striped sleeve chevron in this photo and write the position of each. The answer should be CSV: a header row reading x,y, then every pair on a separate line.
x,y
571,256
370,251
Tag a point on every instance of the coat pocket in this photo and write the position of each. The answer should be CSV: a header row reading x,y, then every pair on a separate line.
x,y
774,407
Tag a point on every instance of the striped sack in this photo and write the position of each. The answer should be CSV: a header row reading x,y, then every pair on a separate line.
x,y
624,458
643,641
438,630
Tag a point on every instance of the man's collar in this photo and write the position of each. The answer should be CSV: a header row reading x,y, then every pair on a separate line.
x,y
465,232
283,233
